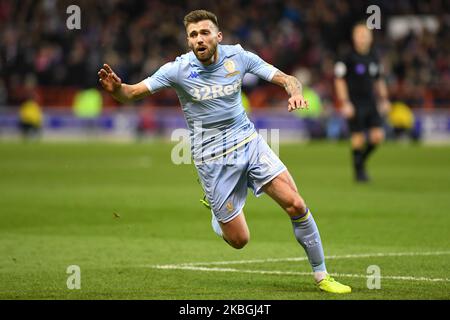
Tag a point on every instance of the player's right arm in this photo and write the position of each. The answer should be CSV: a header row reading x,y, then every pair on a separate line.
x,y
340,85
122,92
347,108
257,66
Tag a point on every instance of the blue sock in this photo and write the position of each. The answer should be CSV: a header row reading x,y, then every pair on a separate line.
x,y
307,234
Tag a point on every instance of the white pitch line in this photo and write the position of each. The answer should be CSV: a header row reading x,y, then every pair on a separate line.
x,y
294,273
347,256
197,266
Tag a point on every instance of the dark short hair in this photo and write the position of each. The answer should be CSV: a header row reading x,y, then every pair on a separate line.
x,y
200,15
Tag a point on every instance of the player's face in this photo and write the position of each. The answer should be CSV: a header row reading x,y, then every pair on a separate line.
x,y
362,38
203,38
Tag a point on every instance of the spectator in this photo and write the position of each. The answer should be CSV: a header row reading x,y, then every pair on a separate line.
x,y
288,34
30,120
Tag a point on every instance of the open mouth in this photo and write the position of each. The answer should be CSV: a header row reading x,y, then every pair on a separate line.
x,y
201,49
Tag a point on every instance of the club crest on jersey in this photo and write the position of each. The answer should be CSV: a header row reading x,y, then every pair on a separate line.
x,y
230,206
230,67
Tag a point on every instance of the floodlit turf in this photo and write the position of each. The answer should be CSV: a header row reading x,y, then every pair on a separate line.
x,y
119,210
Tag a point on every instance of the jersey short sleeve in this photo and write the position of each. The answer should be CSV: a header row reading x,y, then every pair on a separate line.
x,y
340,68
257,66
375,67
163,78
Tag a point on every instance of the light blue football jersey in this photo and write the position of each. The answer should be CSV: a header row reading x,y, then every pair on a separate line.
x,y
210,97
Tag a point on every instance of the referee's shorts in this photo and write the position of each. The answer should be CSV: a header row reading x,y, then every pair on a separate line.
x,y
366,117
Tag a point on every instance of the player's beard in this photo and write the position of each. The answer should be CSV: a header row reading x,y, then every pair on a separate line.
x,y
207,55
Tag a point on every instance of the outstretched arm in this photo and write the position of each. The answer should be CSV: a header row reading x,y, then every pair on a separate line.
x,y
120,91
293,88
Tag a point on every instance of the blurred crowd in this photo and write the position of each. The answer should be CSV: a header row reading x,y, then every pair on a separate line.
x,y
136,37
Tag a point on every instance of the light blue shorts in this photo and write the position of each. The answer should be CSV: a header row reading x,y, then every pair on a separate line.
x,y
226,179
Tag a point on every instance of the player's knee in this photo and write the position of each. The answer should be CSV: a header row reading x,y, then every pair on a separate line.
x,y
377,138
239,241
357,141
296,207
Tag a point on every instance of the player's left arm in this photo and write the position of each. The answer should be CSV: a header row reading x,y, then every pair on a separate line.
x,y
293,87
383,95
380,87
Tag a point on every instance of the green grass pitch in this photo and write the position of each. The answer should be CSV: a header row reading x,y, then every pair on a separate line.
x,y
119,210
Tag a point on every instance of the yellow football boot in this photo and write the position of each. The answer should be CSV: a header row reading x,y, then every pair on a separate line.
x,y
328,284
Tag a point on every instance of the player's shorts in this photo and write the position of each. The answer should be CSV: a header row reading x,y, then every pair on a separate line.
x,y
366,117
226,179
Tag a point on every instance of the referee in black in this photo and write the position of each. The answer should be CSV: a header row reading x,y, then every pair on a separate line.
x,y
359,86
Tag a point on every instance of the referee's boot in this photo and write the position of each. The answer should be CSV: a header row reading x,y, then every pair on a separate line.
x,y
361,175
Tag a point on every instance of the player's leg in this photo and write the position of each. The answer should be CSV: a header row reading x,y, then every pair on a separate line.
x,y
225,184
358,142
376,133
284,191
357,125
268,174
376,137
235,232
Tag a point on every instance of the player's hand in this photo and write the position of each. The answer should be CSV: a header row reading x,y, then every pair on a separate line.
x,y
297,102
385,106
348,110
108,79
